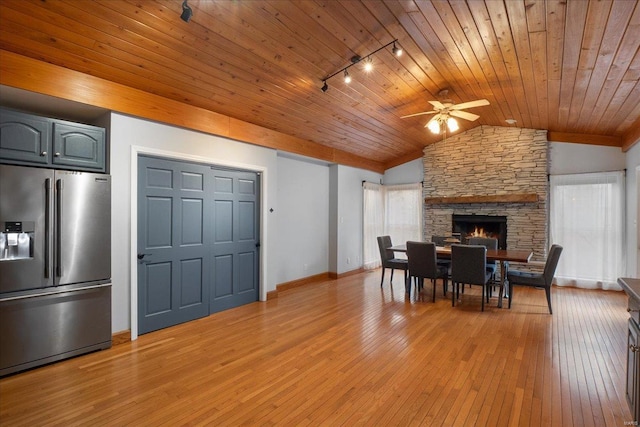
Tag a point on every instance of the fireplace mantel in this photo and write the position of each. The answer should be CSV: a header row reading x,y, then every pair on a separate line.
x,y
498,198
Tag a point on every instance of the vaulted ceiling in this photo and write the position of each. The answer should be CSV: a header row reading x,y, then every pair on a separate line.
x,y
569,66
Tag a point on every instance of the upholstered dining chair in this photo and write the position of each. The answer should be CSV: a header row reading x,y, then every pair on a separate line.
x,y
423,264
388,259
441,241
489,243
537,280
469,266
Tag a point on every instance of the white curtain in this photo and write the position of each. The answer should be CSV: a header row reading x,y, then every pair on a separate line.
x,y
403,212
395,210
373,210
587,219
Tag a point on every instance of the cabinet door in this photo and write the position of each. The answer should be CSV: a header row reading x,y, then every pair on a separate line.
x,y
78,146
633,368
24,138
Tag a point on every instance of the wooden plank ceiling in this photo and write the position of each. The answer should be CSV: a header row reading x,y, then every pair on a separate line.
x,y
571,67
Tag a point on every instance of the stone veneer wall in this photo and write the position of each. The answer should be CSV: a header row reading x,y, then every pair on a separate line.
x,y
490,160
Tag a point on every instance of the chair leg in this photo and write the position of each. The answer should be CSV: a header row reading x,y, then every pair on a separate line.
x,y
382,280
433,282
482,298
510,294
391,280
453,294
548,292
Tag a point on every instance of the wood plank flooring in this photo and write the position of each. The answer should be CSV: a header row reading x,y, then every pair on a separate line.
x,y
346,352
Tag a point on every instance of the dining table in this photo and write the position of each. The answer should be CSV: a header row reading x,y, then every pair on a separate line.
x,y
502,256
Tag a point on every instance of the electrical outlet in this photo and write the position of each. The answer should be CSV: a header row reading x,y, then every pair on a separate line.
x,y
348,260
305,267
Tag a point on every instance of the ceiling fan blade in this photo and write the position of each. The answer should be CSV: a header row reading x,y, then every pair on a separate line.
x,y
437,105
418,114
470,104
464,115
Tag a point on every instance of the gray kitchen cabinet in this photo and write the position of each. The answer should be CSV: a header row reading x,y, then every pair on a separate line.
x,y
27,139
24,138
632,288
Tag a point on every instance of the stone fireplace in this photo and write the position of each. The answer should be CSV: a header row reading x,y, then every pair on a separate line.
x,y
490,171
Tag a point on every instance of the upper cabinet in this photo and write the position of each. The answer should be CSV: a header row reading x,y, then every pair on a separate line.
x,y
27,139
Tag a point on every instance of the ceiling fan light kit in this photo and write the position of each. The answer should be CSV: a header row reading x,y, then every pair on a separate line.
x,y
445,113
368,63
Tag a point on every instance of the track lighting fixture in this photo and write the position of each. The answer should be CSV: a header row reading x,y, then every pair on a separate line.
x,y
186,12
368,63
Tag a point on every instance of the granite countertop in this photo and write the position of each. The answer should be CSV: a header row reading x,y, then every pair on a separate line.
x,y
630,286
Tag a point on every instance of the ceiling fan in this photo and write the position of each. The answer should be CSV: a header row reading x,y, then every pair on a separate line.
x,y
445,112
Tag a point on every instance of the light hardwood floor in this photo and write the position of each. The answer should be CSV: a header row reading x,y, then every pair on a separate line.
x,y
346,352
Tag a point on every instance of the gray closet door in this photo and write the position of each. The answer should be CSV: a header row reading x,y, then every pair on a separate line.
x,y
235,252
174,228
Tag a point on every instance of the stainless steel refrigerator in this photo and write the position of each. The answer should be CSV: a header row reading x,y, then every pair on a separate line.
x,y
55,265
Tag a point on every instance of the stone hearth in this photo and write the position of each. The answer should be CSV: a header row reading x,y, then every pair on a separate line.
x,y
490,170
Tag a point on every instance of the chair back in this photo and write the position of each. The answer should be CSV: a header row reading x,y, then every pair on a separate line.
x,y
487,242
469,264
438,240
422,259
384,243
551,264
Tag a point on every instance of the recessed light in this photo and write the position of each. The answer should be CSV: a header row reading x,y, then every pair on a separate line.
x,y
511,121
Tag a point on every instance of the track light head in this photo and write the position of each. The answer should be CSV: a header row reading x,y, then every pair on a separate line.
x,y
368,64
325,86
397,51
186,12
347,77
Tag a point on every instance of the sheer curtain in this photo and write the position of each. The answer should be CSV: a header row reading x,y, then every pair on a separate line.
x,y
403,212
587,219
395,210
373,224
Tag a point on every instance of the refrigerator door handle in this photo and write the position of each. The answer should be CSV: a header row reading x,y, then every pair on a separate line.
x,y
59,186
47,228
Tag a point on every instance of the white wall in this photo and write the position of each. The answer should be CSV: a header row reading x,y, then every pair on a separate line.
x,y
633,212
408,173
349,216
129,135
568,158
302,219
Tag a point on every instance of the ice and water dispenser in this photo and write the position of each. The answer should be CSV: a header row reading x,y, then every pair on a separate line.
x,y
16,240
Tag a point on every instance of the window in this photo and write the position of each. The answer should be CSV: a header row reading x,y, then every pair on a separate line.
x,y
395,210
587,219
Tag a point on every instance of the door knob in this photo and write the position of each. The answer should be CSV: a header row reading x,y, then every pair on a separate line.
x,y
141,256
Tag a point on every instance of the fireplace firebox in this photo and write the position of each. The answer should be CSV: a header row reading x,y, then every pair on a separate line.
x,y
492,226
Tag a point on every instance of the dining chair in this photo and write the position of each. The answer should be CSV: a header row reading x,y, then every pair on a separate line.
x,y
537,280
469,266
423,264
388,259
492,266
441,241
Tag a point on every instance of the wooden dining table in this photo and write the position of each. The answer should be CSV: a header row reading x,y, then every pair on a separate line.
x,y
502,256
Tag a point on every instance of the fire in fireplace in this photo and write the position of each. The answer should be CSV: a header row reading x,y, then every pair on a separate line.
x,y
492,226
